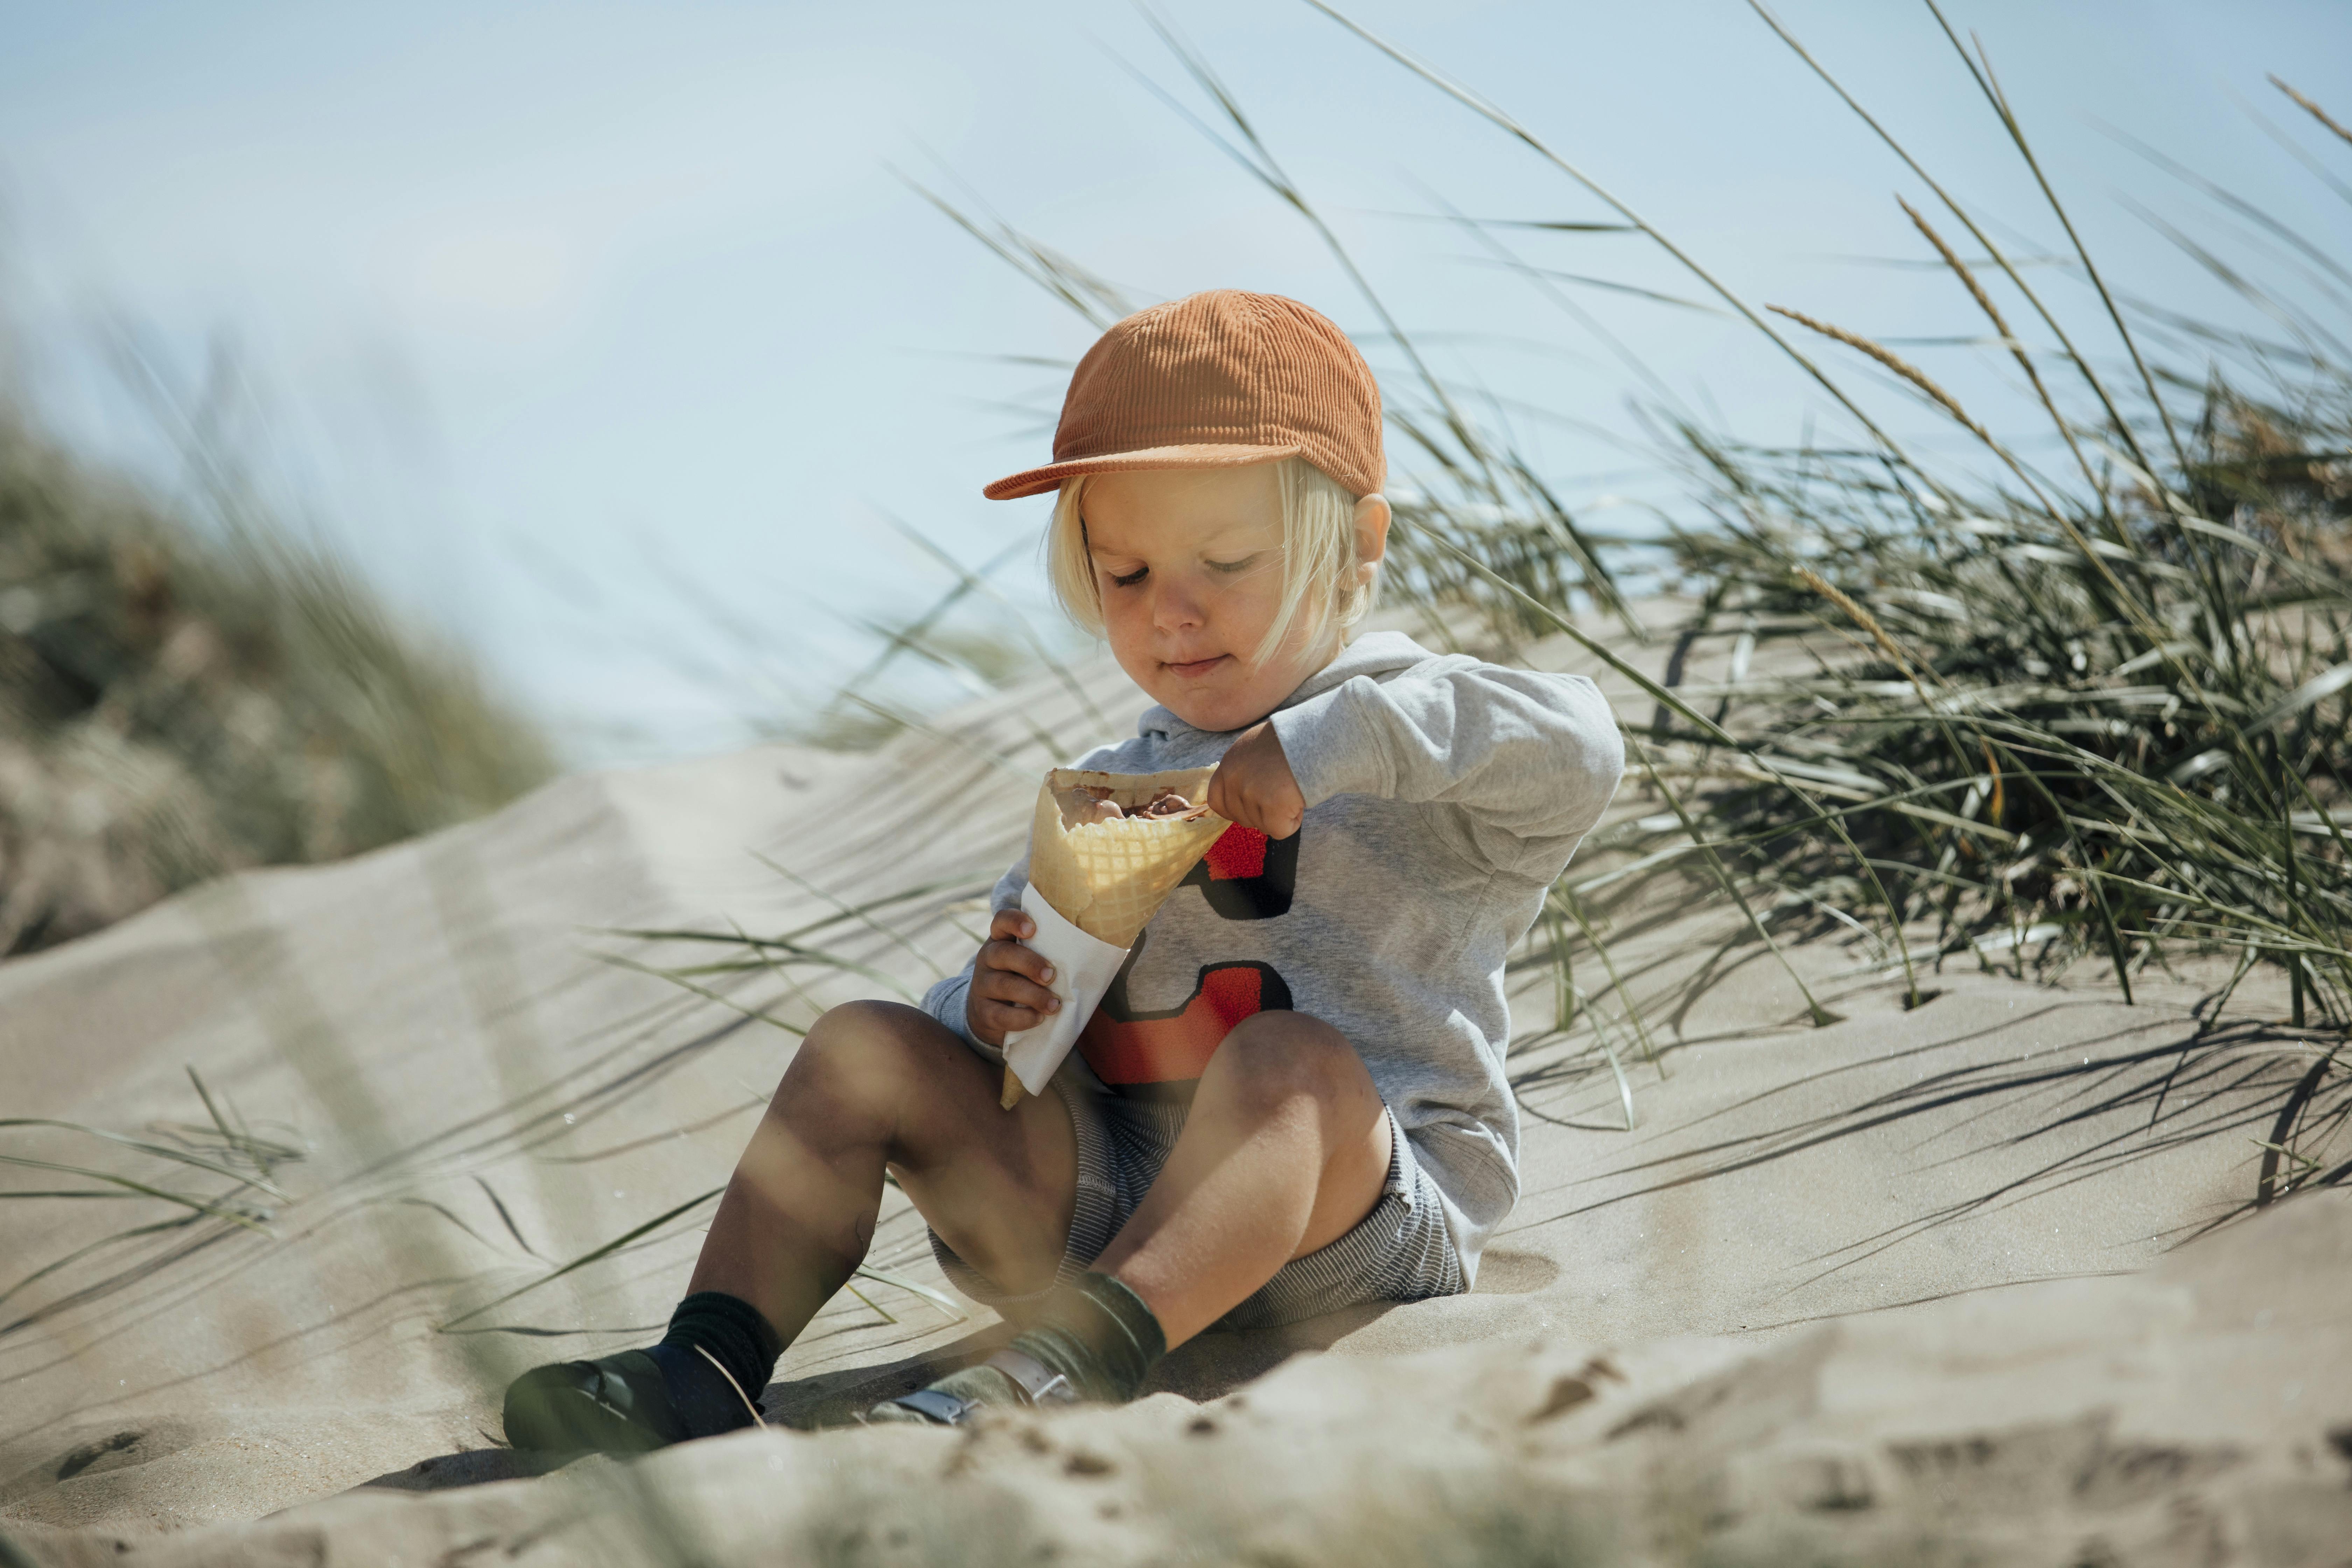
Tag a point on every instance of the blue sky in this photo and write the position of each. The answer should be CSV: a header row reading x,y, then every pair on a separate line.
x,y
603,335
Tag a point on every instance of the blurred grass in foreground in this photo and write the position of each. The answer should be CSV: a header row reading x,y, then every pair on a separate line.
x,y
182,698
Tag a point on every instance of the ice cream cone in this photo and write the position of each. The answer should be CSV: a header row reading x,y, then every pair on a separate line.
x,y
1107,878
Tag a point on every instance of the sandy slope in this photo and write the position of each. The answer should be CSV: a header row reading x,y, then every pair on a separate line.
x,y
483,1096
2162,1418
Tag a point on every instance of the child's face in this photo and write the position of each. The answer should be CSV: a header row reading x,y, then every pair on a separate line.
x,y
1189,565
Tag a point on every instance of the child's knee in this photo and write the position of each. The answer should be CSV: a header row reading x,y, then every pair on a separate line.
x,y
866,1022
859,1047
1281,1055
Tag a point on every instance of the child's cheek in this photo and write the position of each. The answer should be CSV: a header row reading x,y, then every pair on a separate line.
x,y
1127,629
1247,608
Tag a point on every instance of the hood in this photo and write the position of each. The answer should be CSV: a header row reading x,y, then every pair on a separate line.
x,y
1374,654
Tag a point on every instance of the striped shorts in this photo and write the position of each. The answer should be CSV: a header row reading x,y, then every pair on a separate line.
x,y
1399,1252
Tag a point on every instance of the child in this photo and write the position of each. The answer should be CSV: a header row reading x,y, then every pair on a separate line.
x,y
1293,1098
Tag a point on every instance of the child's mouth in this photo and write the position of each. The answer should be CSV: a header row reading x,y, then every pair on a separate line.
x,y
1197,667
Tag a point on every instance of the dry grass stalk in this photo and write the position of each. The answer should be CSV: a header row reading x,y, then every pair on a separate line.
x,y
2017,350
1862,617
1966,275
1992,312
2312,109
1869,623
1892,360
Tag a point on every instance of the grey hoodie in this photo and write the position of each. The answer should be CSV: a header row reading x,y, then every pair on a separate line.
x,y
1444,796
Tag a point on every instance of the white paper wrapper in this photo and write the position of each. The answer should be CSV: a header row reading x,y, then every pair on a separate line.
x,y
1084,967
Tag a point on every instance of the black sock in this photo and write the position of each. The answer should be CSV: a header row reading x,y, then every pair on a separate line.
x,y
1095,1332
633,1401
1098,1333
731,1332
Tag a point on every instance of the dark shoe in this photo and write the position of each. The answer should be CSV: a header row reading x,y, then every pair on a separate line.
x,y
617,1405
1010,1379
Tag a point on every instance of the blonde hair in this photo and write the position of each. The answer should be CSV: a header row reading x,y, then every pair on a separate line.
x,y
1318,556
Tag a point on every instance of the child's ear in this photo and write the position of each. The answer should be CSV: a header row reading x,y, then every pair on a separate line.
x,y
1371,534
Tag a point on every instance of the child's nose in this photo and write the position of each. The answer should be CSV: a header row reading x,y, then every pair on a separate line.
x,y
1175,608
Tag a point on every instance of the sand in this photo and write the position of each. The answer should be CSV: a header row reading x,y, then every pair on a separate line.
x,y
1989,1272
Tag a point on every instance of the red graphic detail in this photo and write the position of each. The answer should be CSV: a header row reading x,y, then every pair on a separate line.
x,y
1238,852
1174,1047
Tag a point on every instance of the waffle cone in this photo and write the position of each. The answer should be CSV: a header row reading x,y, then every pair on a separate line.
x,y
1108,878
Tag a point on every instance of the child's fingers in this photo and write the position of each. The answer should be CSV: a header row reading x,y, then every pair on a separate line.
x,y
1254,785
1002,1018
1012,925
1005,987
1013,958
1231,796
993,1021
1226,799
1236,797
990,1022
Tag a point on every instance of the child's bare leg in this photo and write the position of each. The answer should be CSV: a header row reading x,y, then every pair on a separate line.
x,y
878,1084
874,1085
1285,1151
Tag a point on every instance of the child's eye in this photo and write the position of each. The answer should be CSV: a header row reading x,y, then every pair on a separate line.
x,y
1230,567
1130,579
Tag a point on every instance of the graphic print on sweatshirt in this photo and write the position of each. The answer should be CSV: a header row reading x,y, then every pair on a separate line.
x,y
1244,877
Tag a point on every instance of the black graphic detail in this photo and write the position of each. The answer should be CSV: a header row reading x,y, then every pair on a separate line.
x,y
1245,876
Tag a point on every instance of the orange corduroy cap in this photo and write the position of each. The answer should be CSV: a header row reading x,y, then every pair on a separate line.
x,y
1216,380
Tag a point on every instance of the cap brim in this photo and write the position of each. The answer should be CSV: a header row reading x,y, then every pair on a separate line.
x,y
1030,481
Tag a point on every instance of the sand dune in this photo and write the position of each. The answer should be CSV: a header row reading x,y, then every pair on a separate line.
x,y
1836,1290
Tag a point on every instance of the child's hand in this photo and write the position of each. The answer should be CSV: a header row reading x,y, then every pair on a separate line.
x,y
1253,786
1009,982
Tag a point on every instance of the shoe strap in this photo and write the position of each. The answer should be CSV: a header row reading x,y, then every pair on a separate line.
x,y
933,1405
1039,1383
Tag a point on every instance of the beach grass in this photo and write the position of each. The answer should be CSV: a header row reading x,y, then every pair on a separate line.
x,y
188,689
2080,717
2036,716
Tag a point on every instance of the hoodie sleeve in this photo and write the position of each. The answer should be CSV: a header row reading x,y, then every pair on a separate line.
x,y
1528,759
